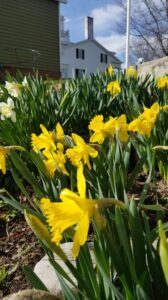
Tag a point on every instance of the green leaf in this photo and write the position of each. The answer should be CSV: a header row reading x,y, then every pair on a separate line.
x,y
3,275
141,294
26,173
11,201
21,186
109,283
34,280
67,292
163,250
156,207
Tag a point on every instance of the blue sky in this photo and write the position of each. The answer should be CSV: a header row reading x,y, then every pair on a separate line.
x,y
106,14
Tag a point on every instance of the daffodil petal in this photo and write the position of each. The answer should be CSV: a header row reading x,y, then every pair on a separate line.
x,y
77,139
81,234
81,182
67,195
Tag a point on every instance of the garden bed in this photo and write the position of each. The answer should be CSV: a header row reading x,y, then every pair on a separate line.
x,y
18,247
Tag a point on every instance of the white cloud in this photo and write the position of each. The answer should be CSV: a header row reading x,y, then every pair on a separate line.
x,y
106,17
114,42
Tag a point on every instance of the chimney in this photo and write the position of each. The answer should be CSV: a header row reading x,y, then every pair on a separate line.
x,y
89,28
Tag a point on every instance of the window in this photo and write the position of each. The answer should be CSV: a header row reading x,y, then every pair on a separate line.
x,y
80,53
103,58
79,72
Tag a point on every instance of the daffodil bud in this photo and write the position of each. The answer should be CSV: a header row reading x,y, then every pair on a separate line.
x,y
43,234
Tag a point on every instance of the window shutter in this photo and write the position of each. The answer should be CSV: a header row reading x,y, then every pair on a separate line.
x,y
106,58
83,54
77,53
101,57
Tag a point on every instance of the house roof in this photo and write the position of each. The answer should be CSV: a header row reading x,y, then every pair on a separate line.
x,y
111,53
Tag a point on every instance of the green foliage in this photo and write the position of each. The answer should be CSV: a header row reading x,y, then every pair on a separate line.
x,y
122,262
73,103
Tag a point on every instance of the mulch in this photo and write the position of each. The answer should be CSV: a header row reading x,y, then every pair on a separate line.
x,y
18,247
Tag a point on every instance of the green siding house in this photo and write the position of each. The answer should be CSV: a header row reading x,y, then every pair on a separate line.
x,y
29,36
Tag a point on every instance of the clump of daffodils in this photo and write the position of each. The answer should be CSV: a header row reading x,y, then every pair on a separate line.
x,y
52,145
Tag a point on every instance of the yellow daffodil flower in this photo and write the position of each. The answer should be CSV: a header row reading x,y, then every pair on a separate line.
x,y
80,152
73,210
145,122
44,141
131,72
3,152
110,70
7,110
102,129
162,82
13,88
113,126
55,161
114,88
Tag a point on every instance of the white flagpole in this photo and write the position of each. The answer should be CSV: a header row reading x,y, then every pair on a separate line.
x,y
127,34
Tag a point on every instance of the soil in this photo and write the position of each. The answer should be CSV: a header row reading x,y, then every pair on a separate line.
x,y
20,247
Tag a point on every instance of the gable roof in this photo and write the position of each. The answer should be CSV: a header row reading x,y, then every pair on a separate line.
x,y
111,53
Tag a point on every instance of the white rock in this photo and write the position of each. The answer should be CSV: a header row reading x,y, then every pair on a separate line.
x,y
45,271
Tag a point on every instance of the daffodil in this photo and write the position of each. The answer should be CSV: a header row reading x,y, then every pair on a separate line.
x,y
75,209
114,126
7,110
13,88
81,151
162,82
44,141
145,122
102,129
114,88
3,153
110,70
131,72
55,161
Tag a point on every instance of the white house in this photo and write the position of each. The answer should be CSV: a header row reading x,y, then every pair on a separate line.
x,y
87,56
